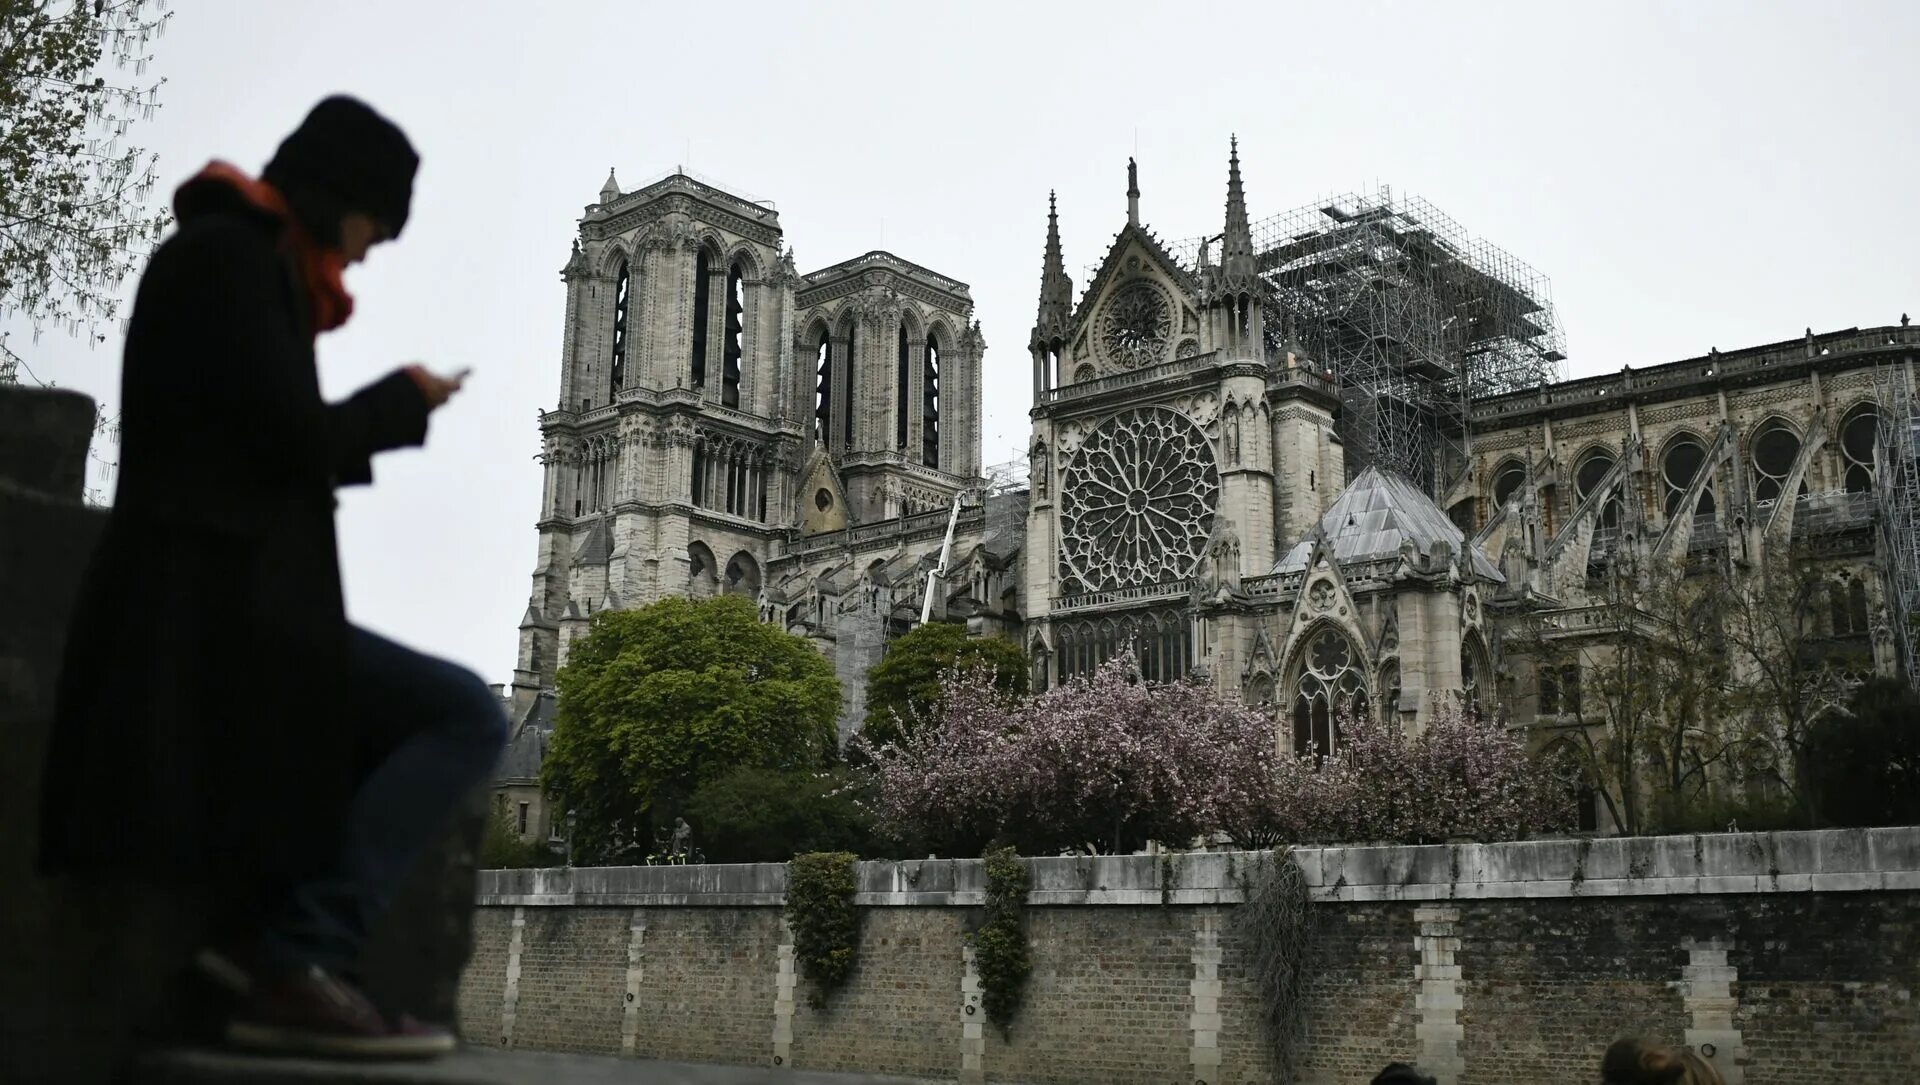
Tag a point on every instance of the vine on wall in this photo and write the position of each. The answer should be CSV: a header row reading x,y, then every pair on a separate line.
x,y
1000,945
1273,923
825,923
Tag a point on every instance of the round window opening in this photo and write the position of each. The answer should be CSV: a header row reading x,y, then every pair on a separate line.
x,y
822,499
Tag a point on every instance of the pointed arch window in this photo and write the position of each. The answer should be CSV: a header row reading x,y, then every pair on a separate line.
x,y
902,370
736,325
1857,437
1683,462
622,290
1775,450
930,404
848,376
1587,477
1329,684
823,386
702,301
1507,480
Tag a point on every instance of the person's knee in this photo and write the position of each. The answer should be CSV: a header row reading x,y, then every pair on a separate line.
x,y
483,719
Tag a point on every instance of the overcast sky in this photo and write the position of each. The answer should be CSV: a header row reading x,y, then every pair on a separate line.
x,y
1688,175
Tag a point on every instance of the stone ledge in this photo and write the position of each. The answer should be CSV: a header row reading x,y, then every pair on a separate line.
x,y
471,1067
1828,861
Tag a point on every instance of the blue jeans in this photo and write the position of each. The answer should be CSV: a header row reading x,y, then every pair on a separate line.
x,y
443,731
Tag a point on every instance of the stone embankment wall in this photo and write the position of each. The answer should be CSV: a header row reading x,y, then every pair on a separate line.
x,y
1792,957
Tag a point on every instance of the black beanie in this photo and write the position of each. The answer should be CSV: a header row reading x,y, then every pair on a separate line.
x,y
346,151
1399,1073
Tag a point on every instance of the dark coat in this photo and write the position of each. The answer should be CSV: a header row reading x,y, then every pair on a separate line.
x,y
201,721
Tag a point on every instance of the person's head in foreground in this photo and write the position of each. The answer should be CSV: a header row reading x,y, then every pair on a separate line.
x,y
1636,1062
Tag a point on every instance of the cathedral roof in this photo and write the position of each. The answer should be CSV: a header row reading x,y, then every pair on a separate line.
x,y
597,547
1375,516
528,747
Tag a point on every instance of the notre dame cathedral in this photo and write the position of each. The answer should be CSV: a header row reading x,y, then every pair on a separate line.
x,y
1327,458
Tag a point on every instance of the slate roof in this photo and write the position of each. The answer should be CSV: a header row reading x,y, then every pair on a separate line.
x,y
597,547
1377,513
528,747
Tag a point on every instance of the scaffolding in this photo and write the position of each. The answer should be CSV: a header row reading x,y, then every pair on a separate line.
x,y
1897,488
1413,317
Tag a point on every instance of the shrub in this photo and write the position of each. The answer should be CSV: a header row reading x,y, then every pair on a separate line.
x,y
502,849
758,815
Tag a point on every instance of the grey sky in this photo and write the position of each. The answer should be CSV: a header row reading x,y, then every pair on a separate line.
x,y
1688,175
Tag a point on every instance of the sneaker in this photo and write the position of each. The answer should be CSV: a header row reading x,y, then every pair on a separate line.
x,y
230,964
311,1011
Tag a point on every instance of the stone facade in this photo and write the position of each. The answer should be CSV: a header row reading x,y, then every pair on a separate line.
x,y
1189,494
1792,955
728,424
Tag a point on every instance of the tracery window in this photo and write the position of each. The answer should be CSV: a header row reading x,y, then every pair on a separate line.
x,y
1857,438
1161,641
1135,325
1507,479
1137,502
1592,470
1684,460
1330,682
1775,449
1847,598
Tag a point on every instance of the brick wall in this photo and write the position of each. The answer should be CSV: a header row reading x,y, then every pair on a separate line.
x,y
1796,956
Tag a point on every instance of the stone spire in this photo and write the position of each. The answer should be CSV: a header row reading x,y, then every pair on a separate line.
x,y
1133,193
610,191
1056,290
1236,245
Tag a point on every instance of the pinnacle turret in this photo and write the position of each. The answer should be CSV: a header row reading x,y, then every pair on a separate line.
x,y
610,191
1056,289
1237,275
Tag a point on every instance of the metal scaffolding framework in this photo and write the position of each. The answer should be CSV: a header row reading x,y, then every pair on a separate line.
x,y
1411,314
1897,486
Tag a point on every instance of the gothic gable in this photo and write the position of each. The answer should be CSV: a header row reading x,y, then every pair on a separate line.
x,y
822,499
1140,309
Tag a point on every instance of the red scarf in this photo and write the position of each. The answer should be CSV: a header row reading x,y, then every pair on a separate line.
x,y
320,265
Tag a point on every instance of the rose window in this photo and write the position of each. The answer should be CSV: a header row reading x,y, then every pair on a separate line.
x,y
1137,502
1136,324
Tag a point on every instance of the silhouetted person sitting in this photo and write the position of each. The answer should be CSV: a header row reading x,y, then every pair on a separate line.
x,y
217,713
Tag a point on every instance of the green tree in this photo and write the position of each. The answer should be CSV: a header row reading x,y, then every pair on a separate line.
x,y
73,217
1863,765
656,701
905,686
762,815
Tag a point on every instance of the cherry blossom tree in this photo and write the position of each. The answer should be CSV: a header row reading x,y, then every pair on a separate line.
x,y
1106,763
1100,764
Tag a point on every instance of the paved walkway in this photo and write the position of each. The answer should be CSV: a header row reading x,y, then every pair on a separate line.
x,y
476,1067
